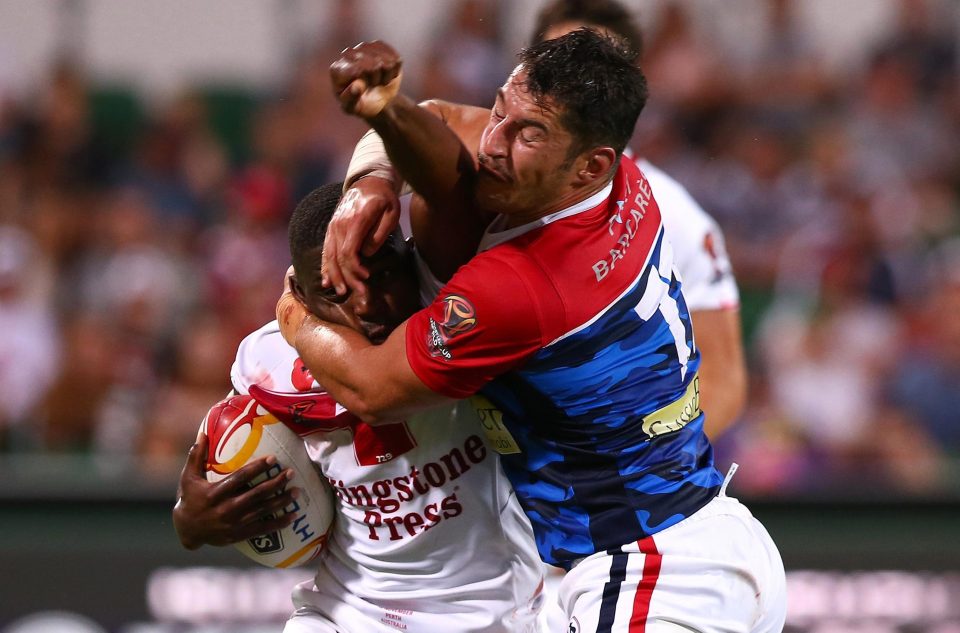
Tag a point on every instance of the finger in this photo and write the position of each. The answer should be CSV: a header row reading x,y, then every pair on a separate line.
x,y
348,101
240,480
392,71
259,526
195,468
329,268
197,456
352,270
378,237
332,254
265,491
271,507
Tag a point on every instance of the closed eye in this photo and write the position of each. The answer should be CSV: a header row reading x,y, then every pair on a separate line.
x,y
330,294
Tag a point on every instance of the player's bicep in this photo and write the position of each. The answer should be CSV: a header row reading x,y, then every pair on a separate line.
x,y
482,325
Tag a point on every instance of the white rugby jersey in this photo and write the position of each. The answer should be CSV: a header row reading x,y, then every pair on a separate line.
x,y
699,253
426,522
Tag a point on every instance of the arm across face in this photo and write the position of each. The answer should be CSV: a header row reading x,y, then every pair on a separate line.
x,y
431,146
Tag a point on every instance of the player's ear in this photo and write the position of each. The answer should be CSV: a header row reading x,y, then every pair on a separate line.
x,y
597,163
296,288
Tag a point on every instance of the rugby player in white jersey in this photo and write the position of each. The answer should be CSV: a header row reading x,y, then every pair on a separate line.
x,y
700,257
428,534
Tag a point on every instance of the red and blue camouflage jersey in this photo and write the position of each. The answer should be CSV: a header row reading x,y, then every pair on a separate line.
x,y
574,332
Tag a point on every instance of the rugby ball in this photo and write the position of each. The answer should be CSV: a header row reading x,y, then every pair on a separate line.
x,y
240,431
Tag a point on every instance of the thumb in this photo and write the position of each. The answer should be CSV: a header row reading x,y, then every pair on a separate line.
x,y
197,457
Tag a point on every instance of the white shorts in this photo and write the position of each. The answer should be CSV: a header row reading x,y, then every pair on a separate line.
x,y
716,571
320,611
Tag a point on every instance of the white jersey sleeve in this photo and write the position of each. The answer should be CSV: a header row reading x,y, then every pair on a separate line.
x,y
265,359
698,246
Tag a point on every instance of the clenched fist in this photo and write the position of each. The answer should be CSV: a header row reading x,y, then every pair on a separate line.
x,y
366,78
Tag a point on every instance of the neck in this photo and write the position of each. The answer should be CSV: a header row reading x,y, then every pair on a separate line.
x,y
569,199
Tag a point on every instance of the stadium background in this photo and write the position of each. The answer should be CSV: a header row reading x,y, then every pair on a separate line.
x,y
151,152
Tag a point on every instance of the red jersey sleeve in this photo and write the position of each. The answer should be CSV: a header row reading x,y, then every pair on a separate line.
x,y
483,323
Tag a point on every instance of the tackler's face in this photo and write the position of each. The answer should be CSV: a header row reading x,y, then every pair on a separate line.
x,y
391,296
524,155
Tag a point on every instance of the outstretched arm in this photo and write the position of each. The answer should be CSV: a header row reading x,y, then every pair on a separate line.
x,y
429,156
370,209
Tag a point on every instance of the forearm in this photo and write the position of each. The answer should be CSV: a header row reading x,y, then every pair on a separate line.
x,y
723,371
370,159
723,394
374,382
426,152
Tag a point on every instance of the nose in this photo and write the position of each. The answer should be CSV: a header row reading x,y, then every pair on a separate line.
x,y
369,305
493,141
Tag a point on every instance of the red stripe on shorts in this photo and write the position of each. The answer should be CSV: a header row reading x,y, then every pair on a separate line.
x,y
651,572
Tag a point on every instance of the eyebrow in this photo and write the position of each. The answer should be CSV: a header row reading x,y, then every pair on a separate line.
x,y
525,122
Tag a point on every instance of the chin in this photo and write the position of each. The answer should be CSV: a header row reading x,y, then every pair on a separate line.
x,y
492,201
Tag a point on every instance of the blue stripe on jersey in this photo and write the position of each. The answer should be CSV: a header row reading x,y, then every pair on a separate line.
x,y
589,477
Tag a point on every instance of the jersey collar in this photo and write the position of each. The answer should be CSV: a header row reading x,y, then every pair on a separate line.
x,y
496,234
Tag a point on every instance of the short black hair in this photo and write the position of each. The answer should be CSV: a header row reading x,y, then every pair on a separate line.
x,y
607,14
308,224
598,89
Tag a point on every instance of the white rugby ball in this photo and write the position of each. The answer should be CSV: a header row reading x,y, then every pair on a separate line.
x,y
240,431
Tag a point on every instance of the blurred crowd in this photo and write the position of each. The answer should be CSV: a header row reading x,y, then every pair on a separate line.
x,y
134,257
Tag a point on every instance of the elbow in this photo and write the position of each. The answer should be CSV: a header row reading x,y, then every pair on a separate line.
x,y
436,106
367,407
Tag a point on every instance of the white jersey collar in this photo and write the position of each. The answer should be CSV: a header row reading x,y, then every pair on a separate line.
x,y
496,234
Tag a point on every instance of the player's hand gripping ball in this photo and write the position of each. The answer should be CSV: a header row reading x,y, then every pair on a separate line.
x,y
240,431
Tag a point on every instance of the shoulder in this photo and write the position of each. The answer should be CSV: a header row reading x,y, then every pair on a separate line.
x,y
699,251
508,279
265,359
680,211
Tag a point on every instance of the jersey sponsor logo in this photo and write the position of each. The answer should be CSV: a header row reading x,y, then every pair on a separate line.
x,y
675,415
629,226
459,316
491,421
384,502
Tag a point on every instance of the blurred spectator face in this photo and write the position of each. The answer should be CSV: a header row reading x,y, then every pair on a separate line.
x,y
15,255
890,88
205,353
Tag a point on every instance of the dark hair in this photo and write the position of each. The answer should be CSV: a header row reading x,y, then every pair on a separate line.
x,y
596,88
606,14
308,224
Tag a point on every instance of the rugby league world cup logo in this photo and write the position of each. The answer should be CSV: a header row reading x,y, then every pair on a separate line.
x,y
458,316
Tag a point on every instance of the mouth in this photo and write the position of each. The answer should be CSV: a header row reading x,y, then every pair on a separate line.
x,y
485,169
